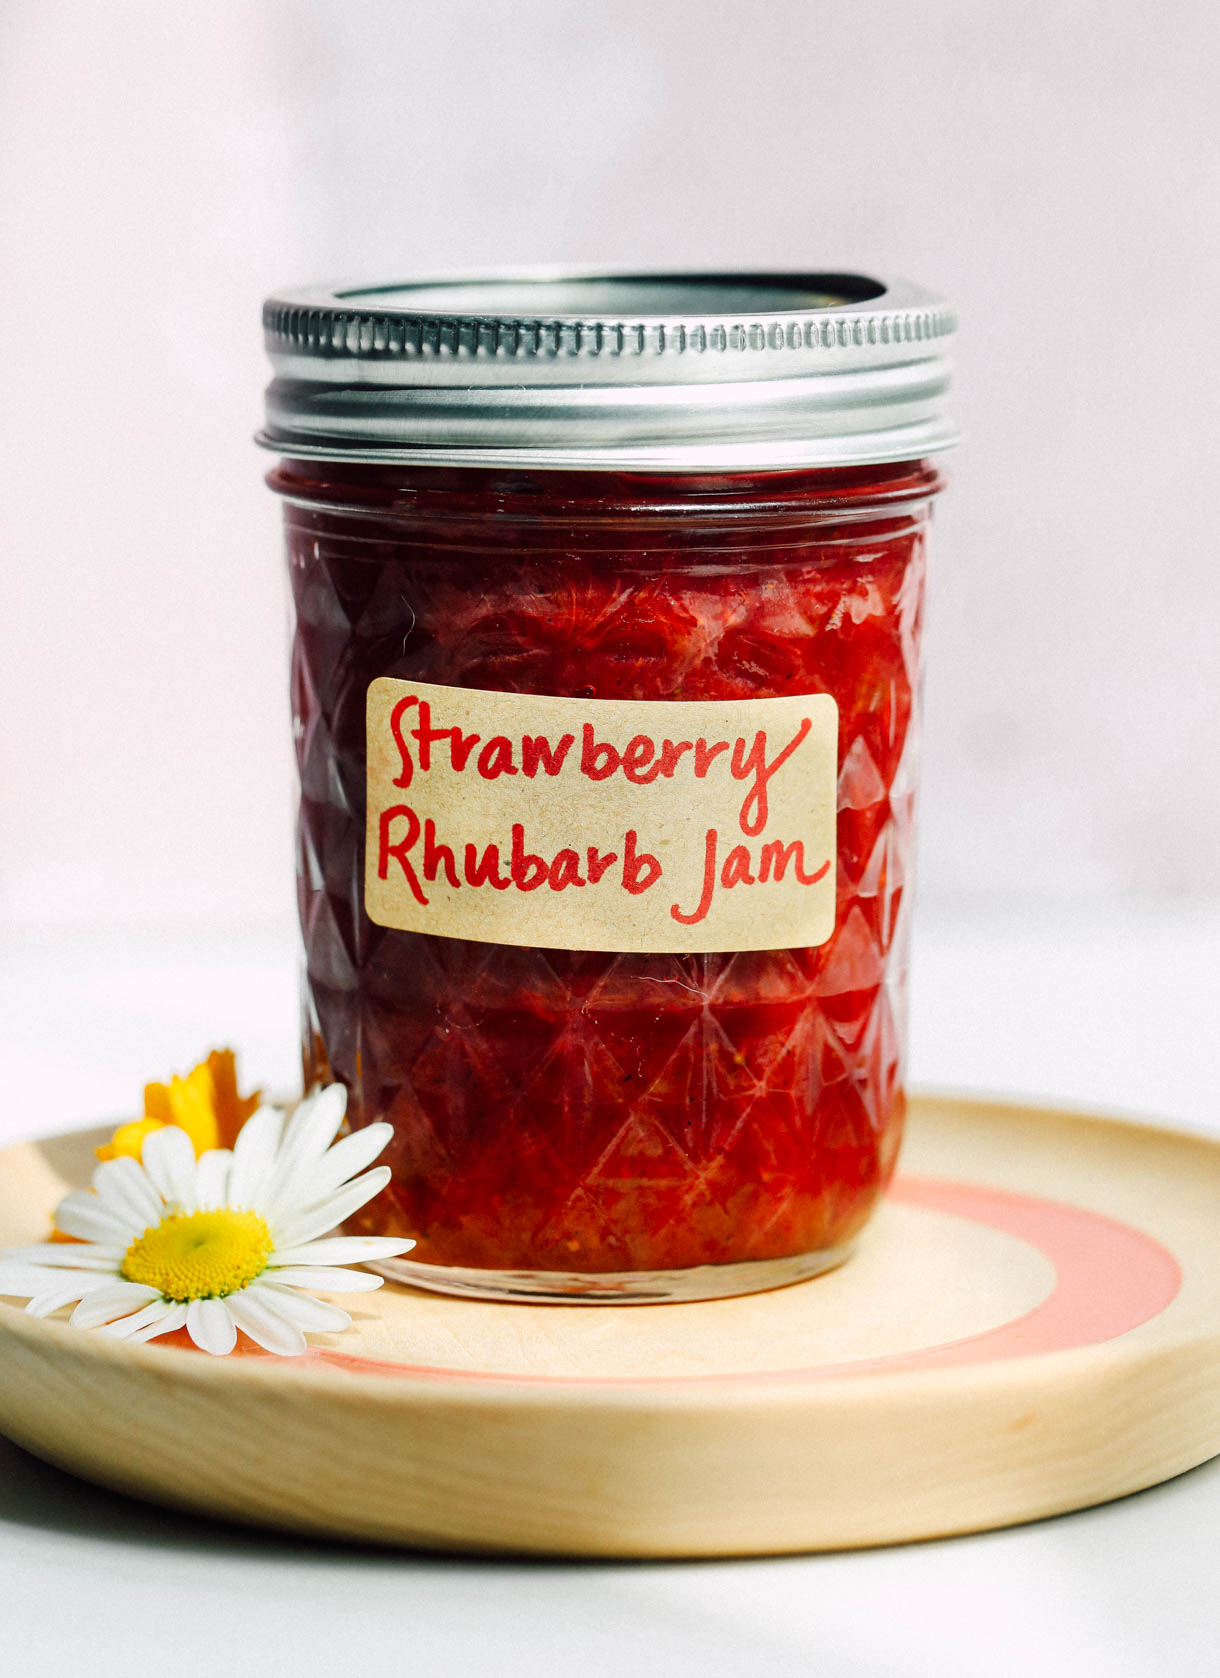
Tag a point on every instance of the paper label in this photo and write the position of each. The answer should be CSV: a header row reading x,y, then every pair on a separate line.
x,y
601,824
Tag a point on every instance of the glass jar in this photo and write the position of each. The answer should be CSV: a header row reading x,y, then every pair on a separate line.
x,y
605,684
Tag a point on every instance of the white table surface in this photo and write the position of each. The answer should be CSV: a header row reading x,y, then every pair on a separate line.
x,y
1109,1008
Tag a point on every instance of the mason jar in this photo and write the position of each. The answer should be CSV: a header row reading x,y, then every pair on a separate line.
x,y
608,594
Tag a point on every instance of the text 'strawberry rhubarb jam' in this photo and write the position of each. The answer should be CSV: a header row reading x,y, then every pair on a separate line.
x,y
608,598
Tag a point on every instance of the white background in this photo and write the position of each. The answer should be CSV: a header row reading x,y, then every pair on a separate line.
x,y
1054,166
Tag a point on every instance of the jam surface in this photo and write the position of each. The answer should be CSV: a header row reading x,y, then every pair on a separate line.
x,y
590,1112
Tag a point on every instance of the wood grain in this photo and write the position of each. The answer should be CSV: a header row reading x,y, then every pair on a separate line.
x,y
775,1423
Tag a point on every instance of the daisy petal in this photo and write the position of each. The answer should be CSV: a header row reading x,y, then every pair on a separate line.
x,y
175,1317
209,1322
45,1304
212,1177
169,1160
349,1155
314,1126
104,1304
325,1278
125,1188
342,1249
265,1327
254,1154
27,1281
83,1215
309,1222
310,1315
151,1315
67,1255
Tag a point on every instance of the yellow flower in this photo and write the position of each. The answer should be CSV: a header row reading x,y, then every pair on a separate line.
x,y
205,1104
234,1241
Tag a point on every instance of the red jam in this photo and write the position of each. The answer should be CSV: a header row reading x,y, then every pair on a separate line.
x,y
566,1111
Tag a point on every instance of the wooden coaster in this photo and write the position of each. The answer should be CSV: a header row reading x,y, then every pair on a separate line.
x,y
1030,1325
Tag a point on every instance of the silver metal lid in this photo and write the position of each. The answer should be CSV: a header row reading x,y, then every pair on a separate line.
x,y
642,372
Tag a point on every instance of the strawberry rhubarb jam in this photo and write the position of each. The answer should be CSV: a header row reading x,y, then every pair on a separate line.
x,y
606,730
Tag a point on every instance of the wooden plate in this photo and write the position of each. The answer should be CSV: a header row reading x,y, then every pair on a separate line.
x,y
1031,1324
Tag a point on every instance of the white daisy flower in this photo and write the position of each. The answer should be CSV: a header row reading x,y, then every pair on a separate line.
x,y
230,1241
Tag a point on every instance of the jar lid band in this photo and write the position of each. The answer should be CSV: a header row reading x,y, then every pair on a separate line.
x,y
640,372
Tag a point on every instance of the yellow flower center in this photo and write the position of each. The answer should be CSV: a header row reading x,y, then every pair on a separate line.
x,y
200,1255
